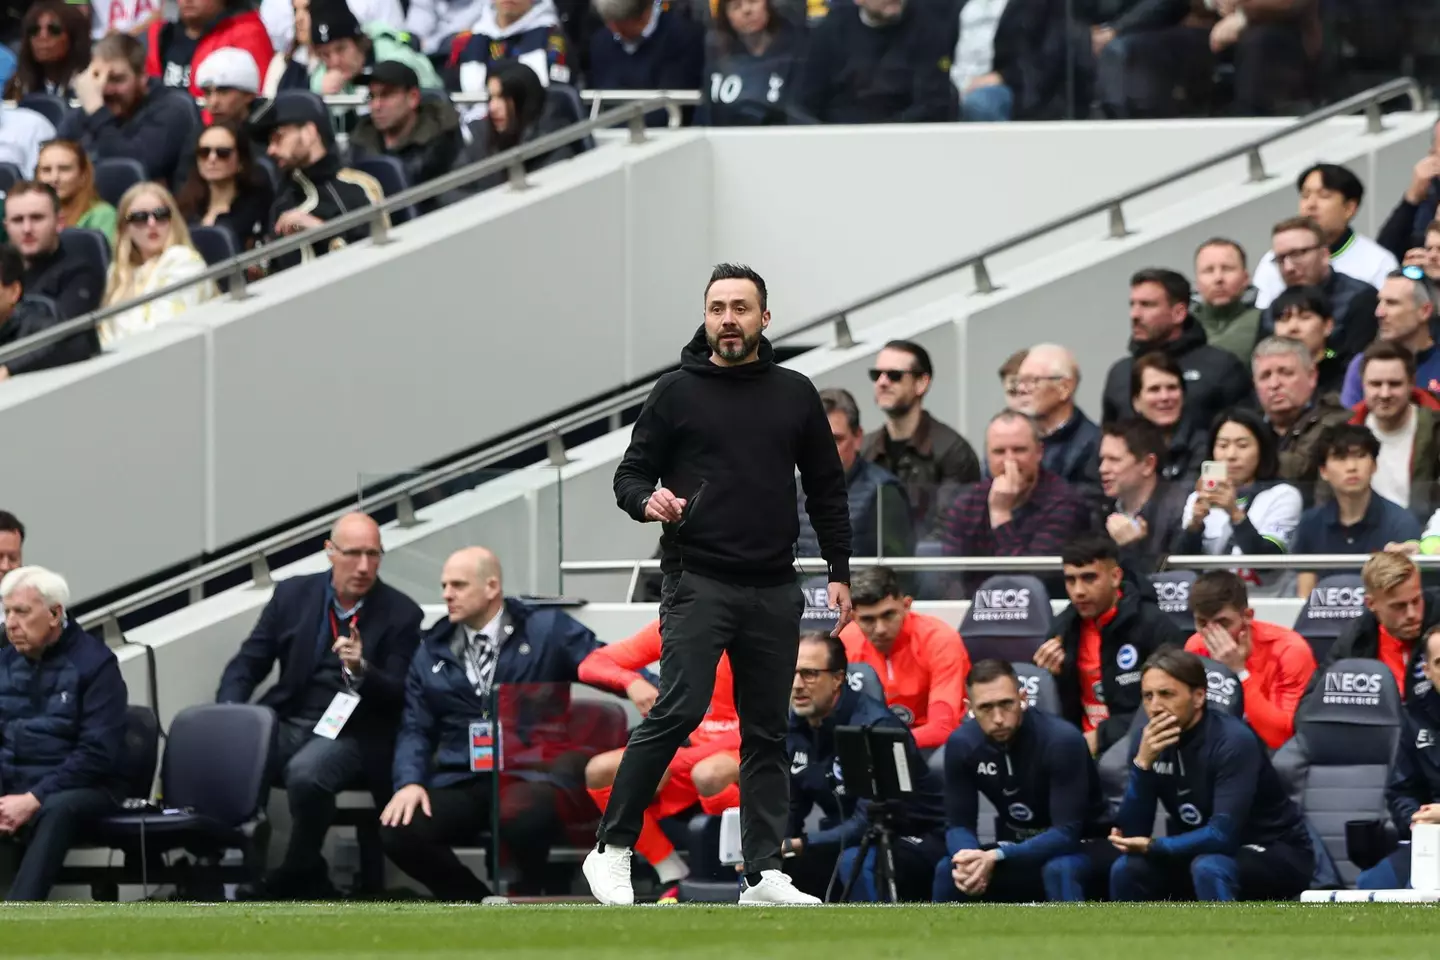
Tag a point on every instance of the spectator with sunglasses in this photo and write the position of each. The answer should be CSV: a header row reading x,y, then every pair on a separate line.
x,y
1405,310
932,460
225,188
153,251
56,48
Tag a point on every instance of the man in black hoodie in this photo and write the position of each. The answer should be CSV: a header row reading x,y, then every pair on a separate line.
x,y
1160,320
1101,639
722,437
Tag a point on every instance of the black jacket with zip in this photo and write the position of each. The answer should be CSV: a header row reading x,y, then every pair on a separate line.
x,y
1214,379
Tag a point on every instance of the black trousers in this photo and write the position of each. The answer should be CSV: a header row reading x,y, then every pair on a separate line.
x,y
458,813
759,627
31,859
313,770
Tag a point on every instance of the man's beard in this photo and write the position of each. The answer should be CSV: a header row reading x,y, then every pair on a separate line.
x,y
732,353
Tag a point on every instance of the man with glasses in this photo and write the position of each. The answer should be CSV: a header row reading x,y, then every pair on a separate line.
x,y
820,701
1405,312
1047,381
343,640
1298,245
929,457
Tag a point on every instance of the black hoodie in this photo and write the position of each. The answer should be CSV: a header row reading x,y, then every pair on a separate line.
x,y
727,440
1214,379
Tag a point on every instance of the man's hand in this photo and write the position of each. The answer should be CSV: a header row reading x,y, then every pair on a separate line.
x,y
1004,495
1100,38
294,221
972,870
1223,647
1425,173
16,811
840,600
4,374
90,87
1415,257
642,693
985,80
1125,531
1199,510
1161,733
1139,846
333,82
401,808
351,651
1407,547
1051,656
664,506
1430,813
797,845
1225,33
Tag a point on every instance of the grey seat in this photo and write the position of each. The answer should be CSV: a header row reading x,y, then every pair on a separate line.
x,y
985,814
1038,685
1172,593
1335,601
818,617
862,678
1008,619
1337,764
1224,691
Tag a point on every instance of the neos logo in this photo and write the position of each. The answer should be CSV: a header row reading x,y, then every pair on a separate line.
x,y
1009,599
856,681
1220,687
1126,657
1174,595
1030,687
1020,813
817,597
1190,814
1362,683
1337,603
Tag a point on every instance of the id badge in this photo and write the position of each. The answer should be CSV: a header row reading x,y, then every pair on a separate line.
x,y
336,714
482,747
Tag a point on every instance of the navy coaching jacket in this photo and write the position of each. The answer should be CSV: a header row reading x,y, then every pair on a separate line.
x,y
1415,777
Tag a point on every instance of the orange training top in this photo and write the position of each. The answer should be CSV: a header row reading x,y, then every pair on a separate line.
x,y
924,675
1395,654
1280,665
1087,663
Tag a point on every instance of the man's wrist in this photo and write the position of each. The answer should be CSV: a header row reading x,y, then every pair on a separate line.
x,y
1243,674
997,854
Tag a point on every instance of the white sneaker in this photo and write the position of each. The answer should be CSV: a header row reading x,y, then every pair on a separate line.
x,y
775,888
608,874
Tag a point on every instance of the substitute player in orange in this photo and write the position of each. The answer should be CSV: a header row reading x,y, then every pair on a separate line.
x,y
920,659
704,771
1274,664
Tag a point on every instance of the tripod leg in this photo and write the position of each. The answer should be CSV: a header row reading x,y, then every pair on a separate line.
x,y
885,870
857,866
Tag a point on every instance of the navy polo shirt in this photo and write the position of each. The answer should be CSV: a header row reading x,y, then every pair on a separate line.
x,y
1384,522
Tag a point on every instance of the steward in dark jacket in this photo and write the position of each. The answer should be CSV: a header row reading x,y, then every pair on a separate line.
x,y
1214,379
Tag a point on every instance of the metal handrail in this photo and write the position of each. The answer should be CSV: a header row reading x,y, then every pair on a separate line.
x,y
376,216
401,495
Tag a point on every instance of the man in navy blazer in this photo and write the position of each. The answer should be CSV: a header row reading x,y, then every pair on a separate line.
x,y
336,635
441,799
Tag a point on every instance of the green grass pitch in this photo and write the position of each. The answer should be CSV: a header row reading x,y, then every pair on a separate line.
x,y
391,931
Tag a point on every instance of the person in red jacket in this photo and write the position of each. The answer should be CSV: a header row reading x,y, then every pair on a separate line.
x,y
176,49
706,771
921,660
1274,664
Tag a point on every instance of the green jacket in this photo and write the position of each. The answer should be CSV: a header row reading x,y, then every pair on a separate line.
x,y
1234,328
100,217
388,44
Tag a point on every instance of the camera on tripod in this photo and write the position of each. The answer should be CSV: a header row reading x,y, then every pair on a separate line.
x,y
875,767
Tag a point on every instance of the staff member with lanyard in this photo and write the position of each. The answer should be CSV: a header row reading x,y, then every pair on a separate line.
x,y
713,458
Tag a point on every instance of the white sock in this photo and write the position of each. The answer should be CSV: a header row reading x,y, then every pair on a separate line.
x,y
672,869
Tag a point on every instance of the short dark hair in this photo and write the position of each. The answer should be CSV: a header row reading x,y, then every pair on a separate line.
x,y
873,585
1303,299
834,398
730,271
1298,223
1342,439
1177,288
835,658
1223,242
1158,361
1334,177
21,187
1011,366
1088,549
12,267
1267,467
1215,590
1388,350
990,670
919,354
1432,227
123,47
1180,664
1142,438
9,523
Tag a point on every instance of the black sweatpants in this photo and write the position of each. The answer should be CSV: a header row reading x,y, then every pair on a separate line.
x,y
759,627
30,861
1280,871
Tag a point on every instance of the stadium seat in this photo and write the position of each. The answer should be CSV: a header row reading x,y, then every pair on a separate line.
x,y
216,244
48,105
1338,762
1038,685
1172,593
92,244
863,679
1008,619
271,171
390,173
115,175
9,176
1224,691
1335,601
818,617
562,102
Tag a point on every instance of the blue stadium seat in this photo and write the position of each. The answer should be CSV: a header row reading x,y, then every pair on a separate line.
x,y
48,105
1008,619
271,170
1038,685
216,244
9,174
1326,613
91,244
863,679
390,173
115,175
563,101
1172,591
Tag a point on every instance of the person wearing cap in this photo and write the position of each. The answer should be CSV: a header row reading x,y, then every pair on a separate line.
x,y
525,30
229,80
423,133
348,51
316,186
287,23
176,50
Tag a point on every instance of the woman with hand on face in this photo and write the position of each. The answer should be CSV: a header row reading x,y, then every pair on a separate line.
x,y
1249,511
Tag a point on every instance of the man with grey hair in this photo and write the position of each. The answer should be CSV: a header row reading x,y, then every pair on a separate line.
x,y
343,641
645,46
879,509
1022,509
1285,382
62,729
1405,309
1048,379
